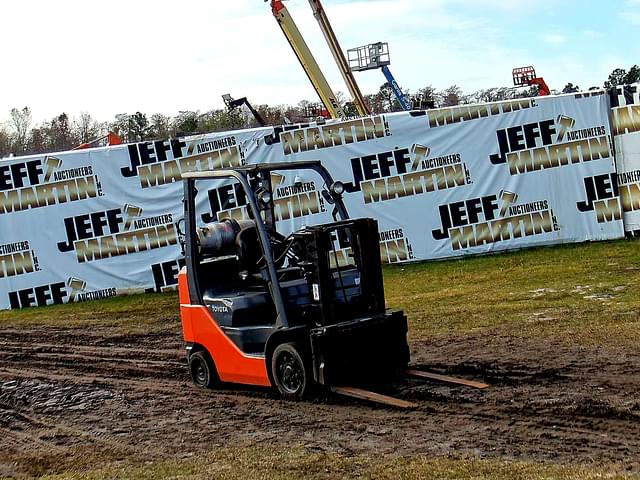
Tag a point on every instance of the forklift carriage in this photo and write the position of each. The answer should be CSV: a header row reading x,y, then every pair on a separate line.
x,y
292,312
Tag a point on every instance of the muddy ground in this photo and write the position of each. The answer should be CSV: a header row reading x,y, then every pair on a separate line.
x,y
78,398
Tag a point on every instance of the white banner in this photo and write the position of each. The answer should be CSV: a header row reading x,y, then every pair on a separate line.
x,y
473,179
625,111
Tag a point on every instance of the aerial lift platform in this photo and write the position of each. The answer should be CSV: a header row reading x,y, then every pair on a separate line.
x,y
526,76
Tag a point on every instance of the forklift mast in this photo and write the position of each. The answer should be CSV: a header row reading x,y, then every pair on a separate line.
x,y
338,55
306,59
526,76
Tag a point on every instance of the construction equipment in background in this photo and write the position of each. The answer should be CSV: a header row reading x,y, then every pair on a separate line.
x,y
238,102
376,55
292,312
314,112
358,99
308,113
419,102
111,139
526,76
306,59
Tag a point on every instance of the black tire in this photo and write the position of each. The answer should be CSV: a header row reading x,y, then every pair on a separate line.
x,y
203,371
291,373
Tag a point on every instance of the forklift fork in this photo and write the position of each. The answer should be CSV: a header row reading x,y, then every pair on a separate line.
x,y
360,394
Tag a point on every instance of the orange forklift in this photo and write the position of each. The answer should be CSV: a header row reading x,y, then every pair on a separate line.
x,y
261,308
292,312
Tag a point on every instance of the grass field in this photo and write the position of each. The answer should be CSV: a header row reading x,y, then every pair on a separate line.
x,y
583,294
278,464
588,292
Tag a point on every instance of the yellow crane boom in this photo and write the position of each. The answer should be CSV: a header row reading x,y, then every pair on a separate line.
x,y
308,62
338,55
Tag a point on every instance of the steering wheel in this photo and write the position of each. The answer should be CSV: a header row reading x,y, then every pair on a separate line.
x,y
280,247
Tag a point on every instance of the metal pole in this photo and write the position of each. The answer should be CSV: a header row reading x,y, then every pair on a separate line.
x,y
338,55
306,59
396,89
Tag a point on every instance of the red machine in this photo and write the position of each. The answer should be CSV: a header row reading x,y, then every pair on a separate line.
x,y
526,76
111,139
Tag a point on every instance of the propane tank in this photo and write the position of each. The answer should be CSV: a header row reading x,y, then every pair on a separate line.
x,y
219,238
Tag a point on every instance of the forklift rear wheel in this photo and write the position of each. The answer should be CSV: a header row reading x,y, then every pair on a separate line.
x,y
202,370
290,372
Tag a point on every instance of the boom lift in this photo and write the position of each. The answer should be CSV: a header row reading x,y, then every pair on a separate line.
x,y
258,308
111,139
238,102
526,76
306,59
358,99
376,55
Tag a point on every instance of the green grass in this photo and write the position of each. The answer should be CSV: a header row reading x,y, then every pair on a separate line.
x,y
250,462
588,292
129,313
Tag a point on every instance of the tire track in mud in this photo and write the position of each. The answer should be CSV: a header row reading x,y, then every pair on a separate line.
x,y
128,356
546,402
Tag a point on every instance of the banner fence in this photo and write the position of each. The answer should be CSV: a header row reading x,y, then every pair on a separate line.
x,y
471,179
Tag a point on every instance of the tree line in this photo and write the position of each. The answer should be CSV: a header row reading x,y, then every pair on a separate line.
x,y
20,136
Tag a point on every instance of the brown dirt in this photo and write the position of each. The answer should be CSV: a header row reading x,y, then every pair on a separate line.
x,y
76,399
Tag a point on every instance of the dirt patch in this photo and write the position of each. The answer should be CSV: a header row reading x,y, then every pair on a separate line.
x,y
71,394
51,398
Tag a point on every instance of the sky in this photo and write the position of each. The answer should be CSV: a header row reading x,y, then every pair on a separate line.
x,y
163,56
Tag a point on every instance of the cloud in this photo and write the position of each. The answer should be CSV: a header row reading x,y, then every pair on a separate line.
x,y
631,17
593,34
631,14
554,39
77,56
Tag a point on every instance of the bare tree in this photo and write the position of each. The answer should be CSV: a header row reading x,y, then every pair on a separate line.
x,y
451,96
20,122
496,94
132,128
61,135
120,126
387,99
160,126
5,142
20,137
425,98
39,140
532,91
185,123
222,120
85,128
375,103
272,115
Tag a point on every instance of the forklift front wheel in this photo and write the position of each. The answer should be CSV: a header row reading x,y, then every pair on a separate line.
x,y
202,370
290,372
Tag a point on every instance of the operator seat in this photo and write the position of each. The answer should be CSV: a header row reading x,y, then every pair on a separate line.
x,y
232,287
248,249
